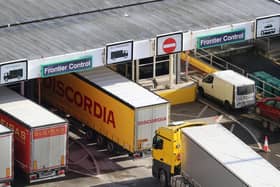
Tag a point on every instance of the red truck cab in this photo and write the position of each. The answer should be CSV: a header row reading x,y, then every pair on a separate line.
x,y
269,107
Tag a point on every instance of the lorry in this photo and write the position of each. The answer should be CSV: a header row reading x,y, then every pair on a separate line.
x,y
230,88
210,156
117,112
12,74
6,157
40,137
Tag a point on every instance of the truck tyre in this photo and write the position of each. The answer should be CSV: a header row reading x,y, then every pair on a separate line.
x,y
201,92
110,146
258,111
100,140
89,134
272,128
162,178
265,124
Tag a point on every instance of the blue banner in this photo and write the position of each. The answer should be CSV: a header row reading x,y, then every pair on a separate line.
x,y
75,65
220,39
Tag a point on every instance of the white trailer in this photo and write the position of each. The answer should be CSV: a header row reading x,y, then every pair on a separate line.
x,y
6,157
214,157
40,137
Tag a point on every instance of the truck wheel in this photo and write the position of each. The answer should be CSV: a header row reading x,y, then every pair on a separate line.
x,y
272,128
110,146
100,140
258,110
265,124
89,134
201,92
162,178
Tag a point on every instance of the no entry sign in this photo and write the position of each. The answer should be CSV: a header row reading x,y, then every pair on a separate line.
x,y
169,43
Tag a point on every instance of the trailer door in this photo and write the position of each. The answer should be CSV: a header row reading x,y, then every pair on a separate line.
x,y
148,120
49,147
6,156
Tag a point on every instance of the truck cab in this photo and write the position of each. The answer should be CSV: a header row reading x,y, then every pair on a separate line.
x,y
166,151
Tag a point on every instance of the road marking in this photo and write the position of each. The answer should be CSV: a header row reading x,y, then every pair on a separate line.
x,y
277,155
202,111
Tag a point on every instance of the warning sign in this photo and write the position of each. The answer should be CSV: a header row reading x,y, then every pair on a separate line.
x,y
169,43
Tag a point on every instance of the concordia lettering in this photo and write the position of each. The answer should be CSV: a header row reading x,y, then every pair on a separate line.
x,y
149,121
85,102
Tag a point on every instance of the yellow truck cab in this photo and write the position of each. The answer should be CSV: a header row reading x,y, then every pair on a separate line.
x,y
166,151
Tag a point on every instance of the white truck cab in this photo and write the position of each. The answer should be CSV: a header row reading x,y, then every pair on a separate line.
x,y
231,88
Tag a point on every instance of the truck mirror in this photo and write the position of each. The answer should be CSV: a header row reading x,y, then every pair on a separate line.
x,y
159,144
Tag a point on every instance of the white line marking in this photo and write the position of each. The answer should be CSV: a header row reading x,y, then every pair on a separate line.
x,y
278,155
169,45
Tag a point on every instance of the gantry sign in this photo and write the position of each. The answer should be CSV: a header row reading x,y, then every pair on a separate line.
x,y
68,66
13,71
267,26
221,39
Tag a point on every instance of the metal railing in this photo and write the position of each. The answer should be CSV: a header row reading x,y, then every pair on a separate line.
x,y
262,87
216,61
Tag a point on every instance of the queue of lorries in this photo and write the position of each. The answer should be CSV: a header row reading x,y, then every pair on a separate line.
x,y
123,115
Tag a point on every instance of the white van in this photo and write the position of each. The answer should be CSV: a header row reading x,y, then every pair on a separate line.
x,y
231,88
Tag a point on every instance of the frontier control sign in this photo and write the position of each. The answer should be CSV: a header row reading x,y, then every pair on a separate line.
x,y
220,39
74,65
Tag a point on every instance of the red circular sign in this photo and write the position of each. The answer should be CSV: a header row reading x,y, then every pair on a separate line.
x,y
169,45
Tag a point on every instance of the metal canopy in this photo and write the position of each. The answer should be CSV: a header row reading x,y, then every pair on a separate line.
x,y
94,30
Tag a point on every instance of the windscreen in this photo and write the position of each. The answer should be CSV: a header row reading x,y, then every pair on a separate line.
x,y
245,90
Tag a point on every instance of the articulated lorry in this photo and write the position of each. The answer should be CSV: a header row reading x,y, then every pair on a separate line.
x,y
40,137
209,156
116,111
6,157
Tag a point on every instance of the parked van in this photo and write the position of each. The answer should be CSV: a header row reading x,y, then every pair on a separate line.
x,y
231,88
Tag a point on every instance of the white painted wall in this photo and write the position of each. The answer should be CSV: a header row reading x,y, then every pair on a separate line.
x,y
143,49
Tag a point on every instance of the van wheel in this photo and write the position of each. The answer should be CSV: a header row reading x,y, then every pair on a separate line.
x,y
100,140
201,92
227,106
162,178
110,146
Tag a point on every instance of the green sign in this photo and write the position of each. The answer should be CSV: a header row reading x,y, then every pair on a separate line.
x,y
68,66
220,39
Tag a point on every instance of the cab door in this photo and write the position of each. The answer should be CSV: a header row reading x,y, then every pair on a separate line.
x,y
268,109
207,85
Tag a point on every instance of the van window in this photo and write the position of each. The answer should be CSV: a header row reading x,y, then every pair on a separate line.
x,y
208,79
244,90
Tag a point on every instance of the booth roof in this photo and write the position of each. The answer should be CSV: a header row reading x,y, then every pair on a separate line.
x,y
36,29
